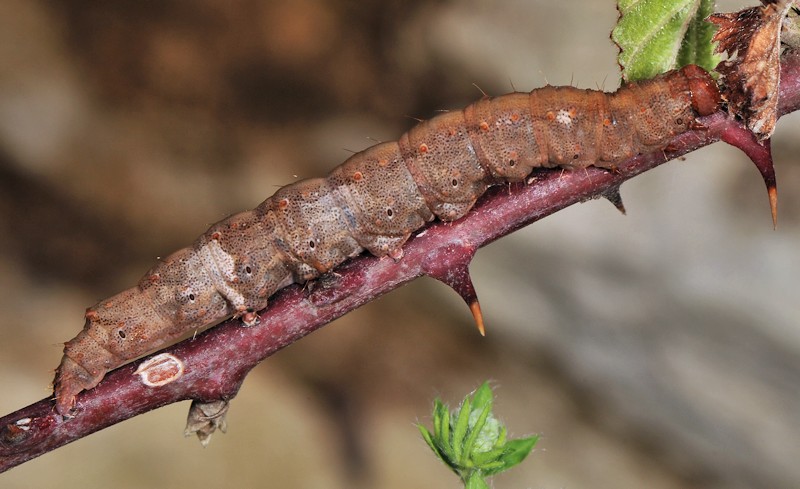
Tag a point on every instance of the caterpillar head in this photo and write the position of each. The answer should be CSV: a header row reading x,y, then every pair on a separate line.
x,y
704,90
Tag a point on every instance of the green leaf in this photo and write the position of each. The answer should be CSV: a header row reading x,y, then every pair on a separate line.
x,y
483,396
501,439
477,430
441,421
655,35
483,459
461,428
476,481
493,468
516,451
441,433
471,441
697,47
426,435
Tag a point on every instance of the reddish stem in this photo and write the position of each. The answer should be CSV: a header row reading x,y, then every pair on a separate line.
x,y
217,361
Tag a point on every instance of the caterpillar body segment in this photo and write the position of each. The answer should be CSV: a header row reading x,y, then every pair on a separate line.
x,y
374,201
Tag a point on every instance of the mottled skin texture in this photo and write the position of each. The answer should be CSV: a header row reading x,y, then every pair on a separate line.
x,y
374,201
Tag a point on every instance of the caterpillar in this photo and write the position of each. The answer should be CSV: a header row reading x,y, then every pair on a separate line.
x,y
374,201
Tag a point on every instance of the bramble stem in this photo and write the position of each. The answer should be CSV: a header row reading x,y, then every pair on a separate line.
x,y
217,361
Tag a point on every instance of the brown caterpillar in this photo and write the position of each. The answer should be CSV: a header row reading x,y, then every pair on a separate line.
x,y
374,201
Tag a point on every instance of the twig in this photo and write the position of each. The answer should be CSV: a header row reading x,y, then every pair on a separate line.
x,y
216,362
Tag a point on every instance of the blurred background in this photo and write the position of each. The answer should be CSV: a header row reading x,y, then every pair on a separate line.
x,y
661,349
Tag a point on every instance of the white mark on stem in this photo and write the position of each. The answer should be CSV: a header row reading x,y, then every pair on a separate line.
x,y
162,369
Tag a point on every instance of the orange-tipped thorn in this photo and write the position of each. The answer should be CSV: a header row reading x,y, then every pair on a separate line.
x,y
773,204
767,170
457,277
760,153
475,307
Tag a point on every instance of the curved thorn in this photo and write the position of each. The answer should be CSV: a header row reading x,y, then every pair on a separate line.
x,y
612,195
760,153
456,275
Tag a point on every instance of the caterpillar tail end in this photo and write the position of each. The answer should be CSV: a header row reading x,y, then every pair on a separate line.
x,y
71,379
65,388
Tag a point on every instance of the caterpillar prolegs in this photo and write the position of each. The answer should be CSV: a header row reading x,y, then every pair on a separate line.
x,y
374,201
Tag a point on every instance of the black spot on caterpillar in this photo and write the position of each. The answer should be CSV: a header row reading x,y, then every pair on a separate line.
x,y
374,201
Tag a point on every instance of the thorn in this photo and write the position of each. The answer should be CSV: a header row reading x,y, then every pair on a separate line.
x,y
612,195
773,204
458,279
767,170
760,153
475,307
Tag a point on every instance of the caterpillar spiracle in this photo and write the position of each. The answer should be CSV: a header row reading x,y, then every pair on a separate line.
x,y
374,201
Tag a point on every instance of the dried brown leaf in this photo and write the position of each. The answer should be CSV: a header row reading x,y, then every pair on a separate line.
x,y
751,74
